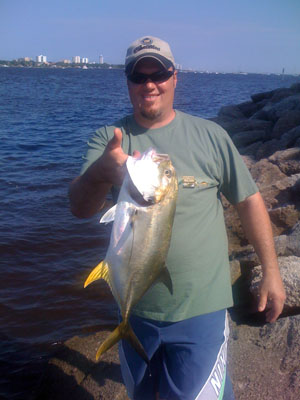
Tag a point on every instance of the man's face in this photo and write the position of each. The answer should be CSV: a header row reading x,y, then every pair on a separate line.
x,y
152,101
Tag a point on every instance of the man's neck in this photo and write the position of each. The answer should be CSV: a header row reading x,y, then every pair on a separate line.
x,y
156,123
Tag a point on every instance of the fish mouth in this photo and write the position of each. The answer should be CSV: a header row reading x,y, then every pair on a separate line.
x,y
137,196
158,158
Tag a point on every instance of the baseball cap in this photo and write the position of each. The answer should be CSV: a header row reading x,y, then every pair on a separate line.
x,y
145,47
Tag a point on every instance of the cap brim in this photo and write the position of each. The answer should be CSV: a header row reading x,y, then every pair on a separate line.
x,y
162,60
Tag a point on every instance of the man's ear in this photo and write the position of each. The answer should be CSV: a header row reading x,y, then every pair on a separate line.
x,y
175,78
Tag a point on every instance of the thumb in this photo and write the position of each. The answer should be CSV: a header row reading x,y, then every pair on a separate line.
x,y
116,141
262,302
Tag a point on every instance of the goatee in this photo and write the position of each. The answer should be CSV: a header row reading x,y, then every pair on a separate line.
x,y
151,115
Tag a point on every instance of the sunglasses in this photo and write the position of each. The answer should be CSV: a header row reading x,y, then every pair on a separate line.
x,y
156,77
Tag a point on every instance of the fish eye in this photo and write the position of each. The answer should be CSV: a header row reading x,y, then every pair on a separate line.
x,y
168,173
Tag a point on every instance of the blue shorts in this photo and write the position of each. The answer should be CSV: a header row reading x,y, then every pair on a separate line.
x,y
187,359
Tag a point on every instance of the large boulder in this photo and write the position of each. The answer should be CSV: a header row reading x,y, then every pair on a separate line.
x,y
288,121
288,161
283,107
234,126
244,139
289,138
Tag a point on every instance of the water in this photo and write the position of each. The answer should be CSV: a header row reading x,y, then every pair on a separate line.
x,y
46,117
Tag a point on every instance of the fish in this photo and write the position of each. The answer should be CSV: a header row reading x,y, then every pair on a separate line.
x,y
140,239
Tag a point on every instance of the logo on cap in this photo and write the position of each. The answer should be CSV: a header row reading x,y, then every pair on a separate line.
x,y
146,41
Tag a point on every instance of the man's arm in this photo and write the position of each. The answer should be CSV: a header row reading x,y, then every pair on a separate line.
x,y
87,192
257,227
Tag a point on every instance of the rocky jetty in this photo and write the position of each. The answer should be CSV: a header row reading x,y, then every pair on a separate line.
x,y
264,359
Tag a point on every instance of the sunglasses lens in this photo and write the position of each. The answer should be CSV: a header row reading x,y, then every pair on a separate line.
x,y
161,76
157,77
137,78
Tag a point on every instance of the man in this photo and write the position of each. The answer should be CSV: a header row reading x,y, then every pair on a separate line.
x,y
184,334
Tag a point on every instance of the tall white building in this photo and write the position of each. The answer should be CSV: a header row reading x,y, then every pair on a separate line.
x,y
101,59
76,59
85,60
41,59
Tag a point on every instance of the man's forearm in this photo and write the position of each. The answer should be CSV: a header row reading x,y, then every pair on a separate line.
x,y
257,226
87,194
258,230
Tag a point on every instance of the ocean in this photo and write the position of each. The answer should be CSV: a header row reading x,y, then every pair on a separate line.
x,y
46,118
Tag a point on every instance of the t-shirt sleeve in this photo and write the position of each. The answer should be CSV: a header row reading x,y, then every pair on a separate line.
x,y
236,182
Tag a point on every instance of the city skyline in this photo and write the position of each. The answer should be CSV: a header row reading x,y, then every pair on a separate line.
x,y
74,59
260,36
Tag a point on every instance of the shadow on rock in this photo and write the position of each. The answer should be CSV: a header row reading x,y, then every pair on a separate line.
x,y
73,371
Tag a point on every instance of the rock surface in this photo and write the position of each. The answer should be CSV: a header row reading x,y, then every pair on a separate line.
x,y
263,358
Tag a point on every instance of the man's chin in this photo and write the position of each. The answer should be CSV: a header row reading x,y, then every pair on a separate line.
x,y
151,115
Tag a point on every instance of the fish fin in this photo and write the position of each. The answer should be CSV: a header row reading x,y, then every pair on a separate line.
x,y
130,336
99,272
165,278
109,216
109,342
123,331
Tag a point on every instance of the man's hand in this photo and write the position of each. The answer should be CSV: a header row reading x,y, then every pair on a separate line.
x,y
271,295
88,192
111,165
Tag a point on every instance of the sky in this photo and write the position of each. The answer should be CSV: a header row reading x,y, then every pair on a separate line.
x,y
213,35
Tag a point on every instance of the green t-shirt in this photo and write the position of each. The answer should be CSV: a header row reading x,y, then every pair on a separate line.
x,y
198,255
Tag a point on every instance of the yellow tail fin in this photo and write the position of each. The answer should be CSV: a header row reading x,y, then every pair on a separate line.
x,y
123,331
99,272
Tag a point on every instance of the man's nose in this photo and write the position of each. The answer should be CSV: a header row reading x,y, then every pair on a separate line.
x,y
149,83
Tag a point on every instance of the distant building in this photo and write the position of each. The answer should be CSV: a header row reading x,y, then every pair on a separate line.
x,y
101,59
24,59
76,60
66,61
85,60
41,59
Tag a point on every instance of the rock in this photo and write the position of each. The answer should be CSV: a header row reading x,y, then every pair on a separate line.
x,y
231,111
262,114
248,108
289,138
235,125
295,88
73,372
258,97
261,361
280,94
265,173
293,243
284,218
291,103
244,139
288,121
277,190
288,161
252,149
267,148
